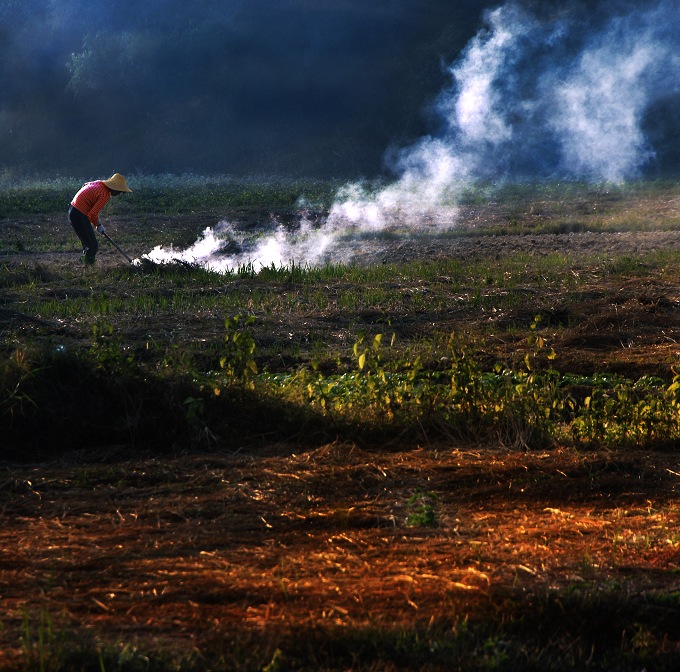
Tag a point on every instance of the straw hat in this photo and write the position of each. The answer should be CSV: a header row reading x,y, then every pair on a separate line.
x,y
117,183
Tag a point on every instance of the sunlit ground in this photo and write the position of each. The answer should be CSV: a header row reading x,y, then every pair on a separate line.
x,y
175,555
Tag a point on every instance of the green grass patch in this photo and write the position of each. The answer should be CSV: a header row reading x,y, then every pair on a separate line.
x,y
165,324
168,194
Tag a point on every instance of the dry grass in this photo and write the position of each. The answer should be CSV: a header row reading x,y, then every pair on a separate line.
x,y
181,554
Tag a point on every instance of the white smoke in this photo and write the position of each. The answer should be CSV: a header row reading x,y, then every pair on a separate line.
x,y
604,94
226,249
435,171
529,96
474,108
598,122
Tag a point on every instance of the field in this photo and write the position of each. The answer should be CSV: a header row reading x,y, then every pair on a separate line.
x,y
459,452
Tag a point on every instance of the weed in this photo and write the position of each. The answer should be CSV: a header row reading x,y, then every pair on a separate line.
x,y
51,647
44,646
277,663
106,348
238,360
421,507
14,375
201,435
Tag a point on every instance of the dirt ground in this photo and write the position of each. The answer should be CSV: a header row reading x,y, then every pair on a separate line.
x,y
200,552
629,325
180,554
403,248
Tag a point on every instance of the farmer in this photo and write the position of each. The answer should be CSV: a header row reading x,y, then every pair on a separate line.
x,y
84,211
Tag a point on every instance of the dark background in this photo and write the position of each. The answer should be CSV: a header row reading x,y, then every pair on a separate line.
x,y
268,87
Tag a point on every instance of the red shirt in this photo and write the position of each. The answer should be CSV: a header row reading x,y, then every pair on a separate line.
x,y
91,198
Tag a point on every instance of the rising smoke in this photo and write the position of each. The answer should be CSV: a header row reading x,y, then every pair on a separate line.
x,y
536,97
559,93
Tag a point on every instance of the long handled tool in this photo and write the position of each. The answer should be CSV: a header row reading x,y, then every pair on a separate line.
x,y
106,235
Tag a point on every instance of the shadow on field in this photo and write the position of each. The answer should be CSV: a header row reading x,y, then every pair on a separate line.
x,y
68,403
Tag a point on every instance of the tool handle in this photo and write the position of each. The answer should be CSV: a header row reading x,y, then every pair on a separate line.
x,y
106,235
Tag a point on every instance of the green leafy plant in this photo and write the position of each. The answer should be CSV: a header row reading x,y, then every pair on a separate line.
x,y
15,373
44,645
201,433
422,509
107,349
238,358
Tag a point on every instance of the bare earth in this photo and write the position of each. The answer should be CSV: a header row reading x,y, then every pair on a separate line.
x,y
279,550
195,554
604,244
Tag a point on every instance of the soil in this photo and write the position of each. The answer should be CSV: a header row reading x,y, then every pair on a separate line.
x,y
403,248
282,550
626,325
285,551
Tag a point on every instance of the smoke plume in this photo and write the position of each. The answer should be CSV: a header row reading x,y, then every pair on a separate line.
x,y
436,95
548,97
536,93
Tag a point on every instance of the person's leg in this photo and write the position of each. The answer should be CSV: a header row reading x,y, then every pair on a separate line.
x,y
85,232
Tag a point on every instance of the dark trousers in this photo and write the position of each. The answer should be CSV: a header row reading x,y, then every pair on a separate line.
x,y
85,231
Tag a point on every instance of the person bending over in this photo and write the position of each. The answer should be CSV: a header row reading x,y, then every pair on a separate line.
x,y
83,212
